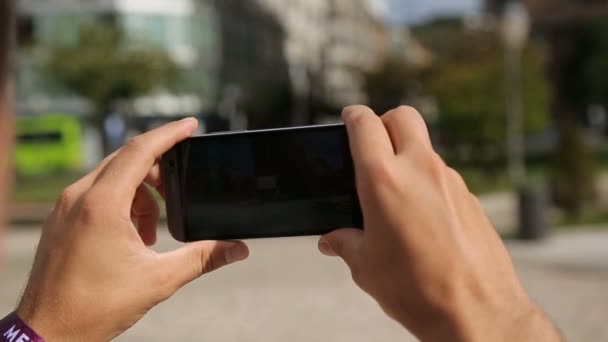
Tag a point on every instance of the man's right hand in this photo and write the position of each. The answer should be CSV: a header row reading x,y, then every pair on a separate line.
x,y
428,255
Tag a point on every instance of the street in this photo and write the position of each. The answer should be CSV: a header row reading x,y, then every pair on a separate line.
x,y
287,291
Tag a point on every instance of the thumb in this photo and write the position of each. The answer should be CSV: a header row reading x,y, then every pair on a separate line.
x,y
344,243
190,262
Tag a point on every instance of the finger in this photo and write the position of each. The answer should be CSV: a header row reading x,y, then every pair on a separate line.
x,y
87,181
154,178
369,140
72,193
190,262
344,243
146,212
132,165
406,128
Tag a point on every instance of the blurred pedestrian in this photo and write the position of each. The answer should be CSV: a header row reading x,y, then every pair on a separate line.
x,y
428,254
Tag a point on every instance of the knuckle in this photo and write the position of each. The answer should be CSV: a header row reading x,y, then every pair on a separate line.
x,y
381,171
456,178
136,144
435,167
89,205
68,196
412,118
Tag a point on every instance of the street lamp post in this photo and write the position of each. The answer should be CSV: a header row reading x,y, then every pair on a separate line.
x,y
515,32
531,203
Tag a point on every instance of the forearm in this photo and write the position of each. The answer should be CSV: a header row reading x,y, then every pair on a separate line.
x,y
536,327
525,322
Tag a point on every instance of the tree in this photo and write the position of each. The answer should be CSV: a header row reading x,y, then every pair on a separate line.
x,y
103,69
389,85
468,82
573,178
579,67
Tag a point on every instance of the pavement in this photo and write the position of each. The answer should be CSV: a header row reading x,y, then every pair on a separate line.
x,y
287,291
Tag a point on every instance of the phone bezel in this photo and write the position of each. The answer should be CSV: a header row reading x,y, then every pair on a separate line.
x,y
171,166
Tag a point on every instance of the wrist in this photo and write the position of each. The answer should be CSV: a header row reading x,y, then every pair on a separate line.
x,y
534,326
521,321
14,329
48,326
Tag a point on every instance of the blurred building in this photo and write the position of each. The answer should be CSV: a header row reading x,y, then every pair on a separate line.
x,y
258,63
253,68
556,12
185,29
289,62
404,46
353,48
304,22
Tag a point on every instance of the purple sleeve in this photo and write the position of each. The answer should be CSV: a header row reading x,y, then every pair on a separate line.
x,y
13,329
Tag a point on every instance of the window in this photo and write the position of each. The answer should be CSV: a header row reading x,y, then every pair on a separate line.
x,y
63,29
147,29
25,31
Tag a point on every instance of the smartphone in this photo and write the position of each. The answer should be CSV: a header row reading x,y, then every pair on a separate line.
x,y
261,184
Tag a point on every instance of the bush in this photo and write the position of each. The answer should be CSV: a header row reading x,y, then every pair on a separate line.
x,y
573,178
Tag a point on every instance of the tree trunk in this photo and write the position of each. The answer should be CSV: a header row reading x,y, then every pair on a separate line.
x,y
99,119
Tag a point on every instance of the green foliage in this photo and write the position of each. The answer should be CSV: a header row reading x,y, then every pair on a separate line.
x,y
580,81
471,96
389,85
573,179
101,68
593,38
468,81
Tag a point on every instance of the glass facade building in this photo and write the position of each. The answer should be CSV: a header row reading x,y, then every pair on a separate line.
x,y
186,29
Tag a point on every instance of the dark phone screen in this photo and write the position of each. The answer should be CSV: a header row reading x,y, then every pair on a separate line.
x,y
268,184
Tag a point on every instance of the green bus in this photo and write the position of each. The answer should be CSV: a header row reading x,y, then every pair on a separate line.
x,y
48,143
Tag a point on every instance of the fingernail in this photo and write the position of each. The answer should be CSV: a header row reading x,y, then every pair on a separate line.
x,y
190,123
347,112
236,253
189,119
326,249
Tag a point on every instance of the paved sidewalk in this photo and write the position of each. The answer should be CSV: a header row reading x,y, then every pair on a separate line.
x,y
288,292
582,250
568,276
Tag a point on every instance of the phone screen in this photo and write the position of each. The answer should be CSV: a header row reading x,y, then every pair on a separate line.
x,y
277,183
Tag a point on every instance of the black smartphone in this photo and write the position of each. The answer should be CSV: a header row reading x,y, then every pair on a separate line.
x,y
261,184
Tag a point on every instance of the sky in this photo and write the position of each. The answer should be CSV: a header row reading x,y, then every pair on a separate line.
x,y
416,11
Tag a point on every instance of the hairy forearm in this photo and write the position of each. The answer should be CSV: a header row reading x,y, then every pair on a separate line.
x,y
524,323
536,327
